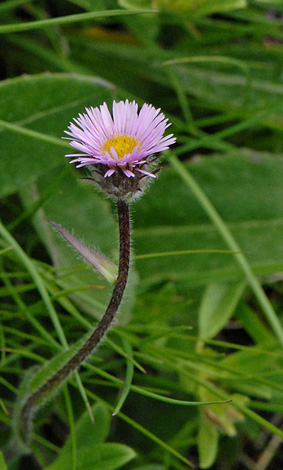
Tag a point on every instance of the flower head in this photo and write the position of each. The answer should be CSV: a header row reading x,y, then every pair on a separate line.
x,y
121,146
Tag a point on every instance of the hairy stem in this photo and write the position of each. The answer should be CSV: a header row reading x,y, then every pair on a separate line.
x,y
101,329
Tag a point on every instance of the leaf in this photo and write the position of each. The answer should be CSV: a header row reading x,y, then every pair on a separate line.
x,y
202,7
89,216
207,442
103,266
22,396
254,325
217,306
150,467
230,91
34,378
222,417
75,18
247,192
3,465
135,4
23,102
50,368
96,457
128,380
87,433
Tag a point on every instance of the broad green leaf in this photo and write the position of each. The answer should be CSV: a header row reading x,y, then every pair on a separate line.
x,y
207,442
230,91
231,242
96,457
257,368
217,306
256,360
3,464
45,104
244,186
213,86
89,434
246,191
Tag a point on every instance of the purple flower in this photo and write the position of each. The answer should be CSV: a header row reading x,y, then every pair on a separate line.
x,y
125,141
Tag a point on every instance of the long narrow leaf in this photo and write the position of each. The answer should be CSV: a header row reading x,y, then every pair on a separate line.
x,y
77,18
103,265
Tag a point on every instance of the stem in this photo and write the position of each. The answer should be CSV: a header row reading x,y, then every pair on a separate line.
x,y
100,330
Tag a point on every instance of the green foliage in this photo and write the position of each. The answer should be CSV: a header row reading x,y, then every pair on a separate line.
x,y
217,306
202,7
92,452
48,113
2,462
247,194
108,456
203,309
207,443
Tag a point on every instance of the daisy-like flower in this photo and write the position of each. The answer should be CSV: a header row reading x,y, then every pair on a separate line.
x,y
124,143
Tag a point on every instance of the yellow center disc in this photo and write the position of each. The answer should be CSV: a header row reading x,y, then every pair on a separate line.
x,y
123,144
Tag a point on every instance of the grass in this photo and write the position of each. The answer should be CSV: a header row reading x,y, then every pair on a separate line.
x,y
202,318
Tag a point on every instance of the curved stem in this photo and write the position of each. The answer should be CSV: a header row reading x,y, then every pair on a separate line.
x,y
100,330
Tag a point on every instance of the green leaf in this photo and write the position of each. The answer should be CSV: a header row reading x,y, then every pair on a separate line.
x,y
232,243
89,434
253,324
34,378
202,7
3,465
150,467
103,265
135,4
76,18
90,217
23,102
247,192
129,378
230,91
51,367
207,442
96,457
217,306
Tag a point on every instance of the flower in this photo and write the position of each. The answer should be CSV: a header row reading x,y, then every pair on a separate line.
x,y
123,143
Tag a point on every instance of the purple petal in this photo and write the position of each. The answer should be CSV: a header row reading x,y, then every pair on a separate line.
x,y
91,130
